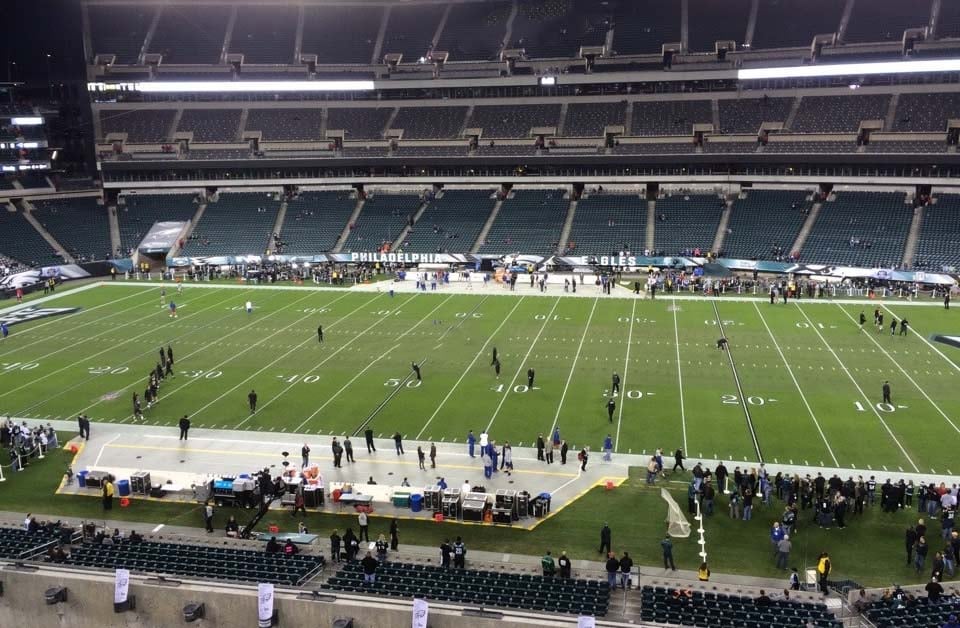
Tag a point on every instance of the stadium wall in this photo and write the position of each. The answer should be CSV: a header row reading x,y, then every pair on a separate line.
x,y
90,605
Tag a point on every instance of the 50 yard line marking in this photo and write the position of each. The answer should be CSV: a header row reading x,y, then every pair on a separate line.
x,y
626,367
573,367
902,370
863,395
379,357
797,384
736,379
469,366
683,414
523,362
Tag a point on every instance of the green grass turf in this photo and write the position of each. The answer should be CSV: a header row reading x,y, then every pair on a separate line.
x,y
869,550
802,388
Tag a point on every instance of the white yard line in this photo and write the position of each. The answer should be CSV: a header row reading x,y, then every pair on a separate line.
x,y
683,413
523,362
195,352
68,317
924,338
573,368
626,367
380,357
902,370
863,395
311,338
797,384
87,340
112,347
463,375
96,462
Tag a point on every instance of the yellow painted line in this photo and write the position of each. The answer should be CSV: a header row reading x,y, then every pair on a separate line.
x,y
229,452
617,482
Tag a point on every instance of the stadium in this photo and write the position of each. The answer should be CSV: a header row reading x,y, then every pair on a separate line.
x,y
660,290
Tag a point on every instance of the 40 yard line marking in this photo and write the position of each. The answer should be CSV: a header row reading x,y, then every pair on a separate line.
x,y
676,337
902,370
626,367
507,390
797,384
863,395
469,366
573,367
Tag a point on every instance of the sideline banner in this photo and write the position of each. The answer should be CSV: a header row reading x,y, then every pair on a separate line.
x,y
265,603
121,586
421,611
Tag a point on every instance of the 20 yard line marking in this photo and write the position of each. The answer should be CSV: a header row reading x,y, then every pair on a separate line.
x,y
469,366
902,370
683,414
736,379
507,390
797,384
863,395
626,367
573,367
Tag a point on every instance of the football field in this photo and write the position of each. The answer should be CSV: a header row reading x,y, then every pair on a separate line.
x,y
800,383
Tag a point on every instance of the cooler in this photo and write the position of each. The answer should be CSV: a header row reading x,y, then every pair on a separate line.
x,y
401,499
416,502
123,488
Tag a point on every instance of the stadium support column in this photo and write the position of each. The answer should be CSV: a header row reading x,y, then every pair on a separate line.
x,y
751,24
378,46
684,24
298,41
228,35
150,31
508,32
844,20
935,17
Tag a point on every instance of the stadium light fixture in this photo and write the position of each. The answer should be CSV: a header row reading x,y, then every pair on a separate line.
x,y
27,121
199,87
548,80
843,69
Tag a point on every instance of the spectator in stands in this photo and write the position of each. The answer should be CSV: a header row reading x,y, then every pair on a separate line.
x,y
273,546
564,564
335,547
135,539
290,548
626,566
824,567
369,564
934,590
232,528
382,546
352,544
764,600
548,565
394,535
613,567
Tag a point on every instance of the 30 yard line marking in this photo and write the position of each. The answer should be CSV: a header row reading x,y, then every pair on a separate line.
x,y
507,389
863,395
573,368
469,366
736,379
924,338
797,384
902,370
329,357
626,367
379,357
72,328
683,414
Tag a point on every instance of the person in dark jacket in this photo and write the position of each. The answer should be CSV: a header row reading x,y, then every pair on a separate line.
x,y
613,568
605,535
335,546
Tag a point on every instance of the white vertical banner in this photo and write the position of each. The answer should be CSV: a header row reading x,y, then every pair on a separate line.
x,y
586,622
121,586
265,603
420,611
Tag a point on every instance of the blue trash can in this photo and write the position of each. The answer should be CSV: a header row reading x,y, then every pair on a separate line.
x,y
123,488
82,479
416,502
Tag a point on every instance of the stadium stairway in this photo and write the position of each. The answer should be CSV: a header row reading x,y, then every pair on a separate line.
x,y
346,228
406,229
651,224
114,228
722,227
567,227
910,249
806,228
486,228
28,214
278,225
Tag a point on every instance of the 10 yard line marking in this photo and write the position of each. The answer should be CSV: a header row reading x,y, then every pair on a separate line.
x,y
626,367
380,357
736,379
469,366
857,386
683,414
912,381
797,384
573,368
923,338
522,363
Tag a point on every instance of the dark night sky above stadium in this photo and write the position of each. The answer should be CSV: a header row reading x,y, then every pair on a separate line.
x,y
32,30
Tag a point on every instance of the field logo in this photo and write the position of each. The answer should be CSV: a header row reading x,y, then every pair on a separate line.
x,y
28,314
953,341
